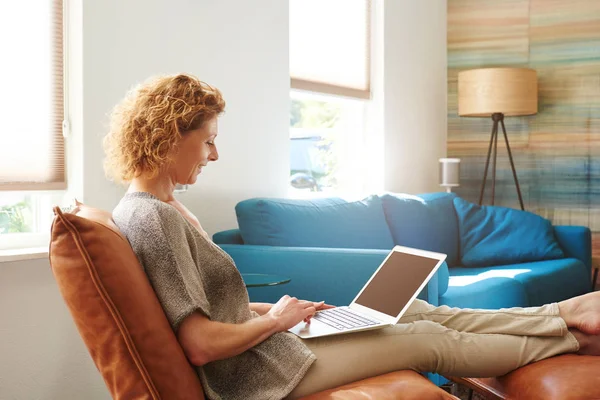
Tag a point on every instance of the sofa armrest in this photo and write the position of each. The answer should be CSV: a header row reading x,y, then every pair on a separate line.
x,y
576,242
330,274
231,236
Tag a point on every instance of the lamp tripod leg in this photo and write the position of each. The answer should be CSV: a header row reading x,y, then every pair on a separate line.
x,y
512,166
487,163
494,165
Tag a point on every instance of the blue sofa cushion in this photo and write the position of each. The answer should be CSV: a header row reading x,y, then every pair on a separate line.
x,y
516,285
327,222
492,235
426,222
230,236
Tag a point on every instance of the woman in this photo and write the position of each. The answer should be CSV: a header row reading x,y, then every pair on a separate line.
x,y
162,134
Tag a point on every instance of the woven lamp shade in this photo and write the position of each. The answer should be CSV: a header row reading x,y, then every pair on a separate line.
x,y
510,91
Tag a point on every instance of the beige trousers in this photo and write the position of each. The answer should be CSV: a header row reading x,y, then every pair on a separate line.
x,y
449,341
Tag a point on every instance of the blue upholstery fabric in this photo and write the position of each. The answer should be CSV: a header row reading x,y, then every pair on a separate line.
x,y
443,275
231,236
491,235
333,275
488,293
329,222
576,242
425,222
524,284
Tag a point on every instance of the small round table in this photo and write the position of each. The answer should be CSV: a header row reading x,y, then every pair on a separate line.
x,y
259,280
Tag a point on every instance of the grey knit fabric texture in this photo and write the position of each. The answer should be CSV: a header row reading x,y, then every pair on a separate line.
x,y
191,274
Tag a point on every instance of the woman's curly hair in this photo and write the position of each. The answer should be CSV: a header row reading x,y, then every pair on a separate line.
x,y
147,124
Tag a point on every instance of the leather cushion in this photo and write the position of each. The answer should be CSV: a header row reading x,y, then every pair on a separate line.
x,y
565,377
400,385
116,311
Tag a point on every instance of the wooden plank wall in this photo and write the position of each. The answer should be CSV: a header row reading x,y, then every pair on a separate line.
x,y
557,151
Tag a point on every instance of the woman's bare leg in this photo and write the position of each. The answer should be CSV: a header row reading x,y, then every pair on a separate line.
x,y
582,313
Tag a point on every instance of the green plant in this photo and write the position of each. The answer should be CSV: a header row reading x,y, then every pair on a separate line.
x,y
13,218
313,114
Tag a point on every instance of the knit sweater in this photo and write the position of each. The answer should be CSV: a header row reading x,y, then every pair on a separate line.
x,y
189,273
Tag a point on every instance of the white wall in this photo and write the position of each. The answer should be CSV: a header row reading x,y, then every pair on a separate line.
x,y
243,50
42,355
415,90
237,46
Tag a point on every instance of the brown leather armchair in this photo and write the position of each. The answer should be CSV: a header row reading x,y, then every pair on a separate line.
x,y
126,332
134,348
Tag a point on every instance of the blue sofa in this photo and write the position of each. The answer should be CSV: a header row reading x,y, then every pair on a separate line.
x,y
330,247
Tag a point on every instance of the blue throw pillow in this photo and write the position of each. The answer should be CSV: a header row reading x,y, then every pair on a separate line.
x,y
330,222
492,235
427,222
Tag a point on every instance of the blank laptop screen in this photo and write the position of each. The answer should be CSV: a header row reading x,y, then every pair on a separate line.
x,y
396,282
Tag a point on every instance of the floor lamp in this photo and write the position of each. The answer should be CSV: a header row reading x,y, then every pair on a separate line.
x,y
496,93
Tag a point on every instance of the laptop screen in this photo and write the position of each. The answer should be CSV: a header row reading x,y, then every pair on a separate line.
x,y
396,282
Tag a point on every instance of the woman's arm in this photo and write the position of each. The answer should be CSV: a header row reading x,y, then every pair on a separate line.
x,y
261,308
204,340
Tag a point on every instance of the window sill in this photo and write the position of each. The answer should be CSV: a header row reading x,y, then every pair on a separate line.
x,y
31,253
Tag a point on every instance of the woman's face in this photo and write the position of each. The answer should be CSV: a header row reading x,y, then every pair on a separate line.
x,y
194,151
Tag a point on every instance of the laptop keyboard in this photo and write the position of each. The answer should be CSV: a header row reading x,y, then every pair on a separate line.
x,y
343,318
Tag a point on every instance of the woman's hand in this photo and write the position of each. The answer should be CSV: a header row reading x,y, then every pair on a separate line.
x,y
318,306
289,311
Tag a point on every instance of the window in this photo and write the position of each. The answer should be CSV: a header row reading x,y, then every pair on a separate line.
x,y
330,79
25,218
32,162
326,138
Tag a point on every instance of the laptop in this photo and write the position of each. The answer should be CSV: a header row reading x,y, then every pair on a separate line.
x,y
384,298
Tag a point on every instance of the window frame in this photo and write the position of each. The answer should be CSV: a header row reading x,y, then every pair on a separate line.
x,y
31,245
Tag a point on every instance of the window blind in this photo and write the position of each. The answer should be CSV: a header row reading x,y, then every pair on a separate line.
x,y
31,95
330,46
